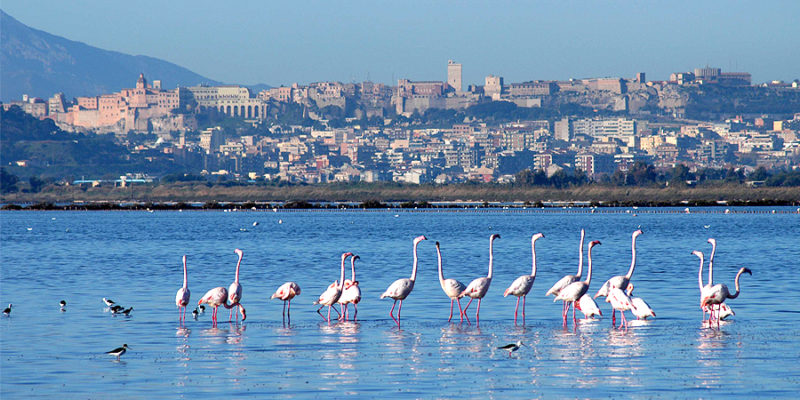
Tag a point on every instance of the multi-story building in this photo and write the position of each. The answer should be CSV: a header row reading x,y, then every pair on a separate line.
x,y
454,75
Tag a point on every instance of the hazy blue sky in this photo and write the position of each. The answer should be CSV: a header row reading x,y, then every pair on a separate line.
x,y
306,41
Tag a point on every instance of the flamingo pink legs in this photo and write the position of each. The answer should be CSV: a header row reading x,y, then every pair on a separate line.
x,y
460,311
397,320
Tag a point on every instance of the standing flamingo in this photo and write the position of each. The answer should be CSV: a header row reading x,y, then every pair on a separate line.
x,y
235,289
588,306
704,288
401,288
182,297
575,290
640,309
619,301
451,287
480,286
522,285
217,297
567,279
331,295
719,292
620,281
287,292
352,292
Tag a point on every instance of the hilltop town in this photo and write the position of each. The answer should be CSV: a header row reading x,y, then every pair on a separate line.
x,y
435,131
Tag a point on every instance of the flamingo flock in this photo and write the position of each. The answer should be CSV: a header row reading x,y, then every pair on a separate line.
x,y
572,290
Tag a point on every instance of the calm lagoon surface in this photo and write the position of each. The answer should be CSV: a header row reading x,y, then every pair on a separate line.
x,y
134,258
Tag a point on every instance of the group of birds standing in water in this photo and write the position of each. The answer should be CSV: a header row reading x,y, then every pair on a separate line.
x,y
572,290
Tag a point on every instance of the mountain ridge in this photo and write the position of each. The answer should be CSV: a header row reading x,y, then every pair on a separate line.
x,y
39,64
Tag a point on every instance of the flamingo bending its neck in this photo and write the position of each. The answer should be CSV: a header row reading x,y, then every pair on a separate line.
x,y
218,297
352,292
522,285
332,294
640,309
575,290
718,293
619,301
451,287
588,307
401,288
478,288
182,297
235,289
287,292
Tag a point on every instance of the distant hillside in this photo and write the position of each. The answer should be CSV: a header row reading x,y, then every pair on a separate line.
x,y
39,64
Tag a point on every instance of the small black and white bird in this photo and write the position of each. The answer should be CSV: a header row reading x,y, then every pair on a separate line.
x,y
512,347
108,302
63,304
202,308
7,311
194,313
116,309
118,351
127,312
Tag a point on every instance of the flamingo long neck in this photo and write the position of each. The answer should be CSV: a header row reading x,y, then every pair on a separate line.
x,y
533,256
580,256
736,283
353,268
633,257
414,268
711,263
491,256
589,272
185,277
238,263
439,258
700,273
341,277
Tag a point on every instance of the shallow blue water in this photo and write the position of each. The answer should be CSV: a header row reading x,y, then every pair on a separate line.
x,y
134,258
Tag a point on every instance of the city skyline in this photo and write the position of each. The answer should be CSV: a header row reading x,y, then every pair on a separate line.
x,y
384,43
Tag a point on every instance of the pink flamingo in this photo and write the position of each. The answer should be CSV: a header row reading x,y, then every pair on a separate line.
x,y
620,281
401,288
522,285
235,289
287,292
588,307
451,287
704,288
182,297
480,286
619,301
217,297
640,309
332,294
718,293
352,292
575,290
567,279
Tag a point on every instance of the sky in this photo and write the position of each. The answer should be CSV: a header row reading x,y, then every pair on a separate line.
x,y
280,43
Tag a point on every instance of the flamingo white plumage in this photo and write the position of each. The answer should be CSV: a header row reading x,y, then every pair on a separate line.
x,y
401,288
235,289
640,309
588,307
575,290
620,302
352,292
523,284
287,292
620,281
451,287
332,294
718,293
567,279
478,288
182,297
704,288
218,297
725,311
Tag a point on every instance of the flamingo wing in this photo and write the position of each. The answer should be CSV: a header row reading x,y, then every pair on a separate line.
x,y
182,297
399,289
453,288
520,287
561,284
